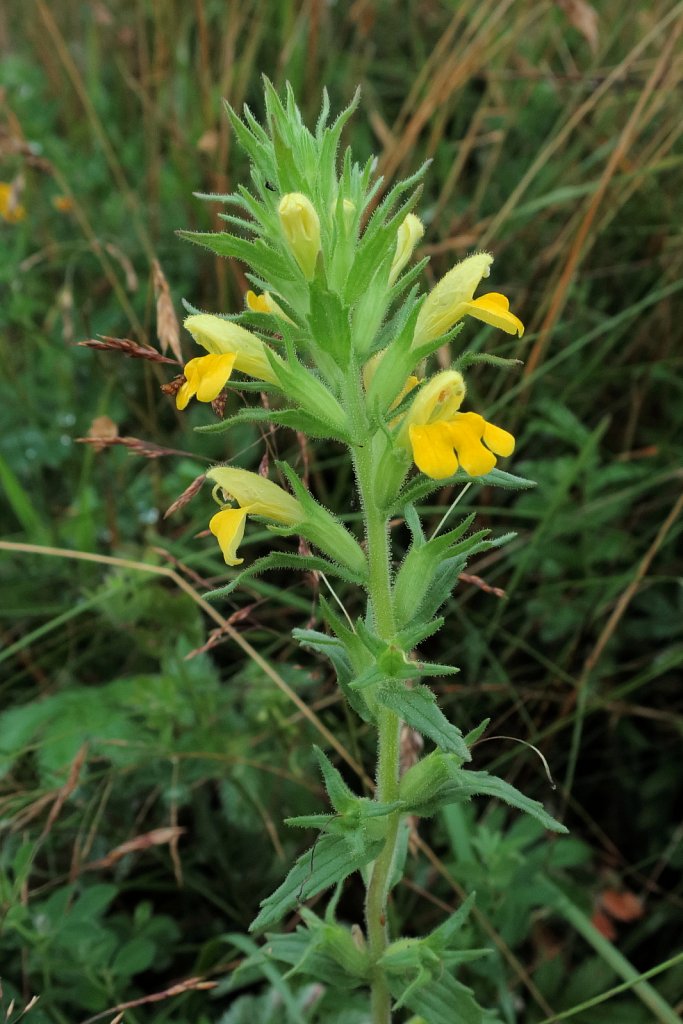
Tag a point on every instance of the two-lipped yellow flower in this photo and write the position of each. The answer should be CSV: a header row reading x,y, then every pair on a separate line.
x,y
441,439
453,298
256,496
230,347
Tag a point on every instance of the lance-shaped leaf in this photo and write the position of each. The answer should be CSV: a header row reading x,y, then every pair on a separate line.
x,y
442,937
419,487
420,565
440,1000
346,652
464,784
279,560
418,708
341,797
332,859
410,636
294,419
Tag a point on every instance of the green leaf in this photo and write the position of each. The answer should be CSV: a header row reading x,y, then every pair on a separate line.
x,y
337,652
133,958
341,797
308,956
329,323
441,938
465,784
417,706
470,358
294,419
443,1001
419,487
331,859
421,563
279,560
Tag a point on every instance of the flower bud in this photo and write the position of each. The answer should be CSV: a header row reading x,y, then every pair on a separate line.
x,y
301,228
409,234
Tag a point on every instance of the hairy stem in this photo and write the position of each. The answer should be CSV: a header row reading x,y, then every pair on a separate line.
x,y
379,593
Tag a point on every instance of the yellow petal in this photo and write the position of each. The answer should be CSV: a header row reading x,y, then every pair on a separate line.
x,y
493,308
227,526
257,303
206,377
265,303
465,432
433,450
498,440
214,373
185,392
261,496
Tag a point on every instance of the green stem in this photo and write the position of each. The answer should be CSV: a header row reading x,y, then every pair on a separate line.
x,y
388,752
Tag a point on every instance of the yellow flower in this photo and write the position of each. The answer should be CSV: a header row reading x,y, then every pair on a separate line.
x,y
265,303
205,378
440,438
452,299
301,227
438,448
223,337
409,234
11,209
255,495
64,204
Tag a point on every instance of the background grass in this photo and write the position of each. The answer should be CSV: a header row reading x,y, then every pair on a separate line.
x,y
143,784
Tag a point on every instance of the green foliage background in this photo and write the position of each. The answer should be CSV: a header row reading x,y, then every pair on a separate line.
x,y
562,158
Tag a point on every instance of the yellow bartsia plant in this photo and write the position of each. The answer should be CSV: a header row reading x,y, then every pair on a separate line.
x,y
342,363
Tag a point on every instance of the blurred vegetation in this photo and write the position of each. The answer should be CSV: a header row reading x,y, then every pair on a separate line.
x,y
143,778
